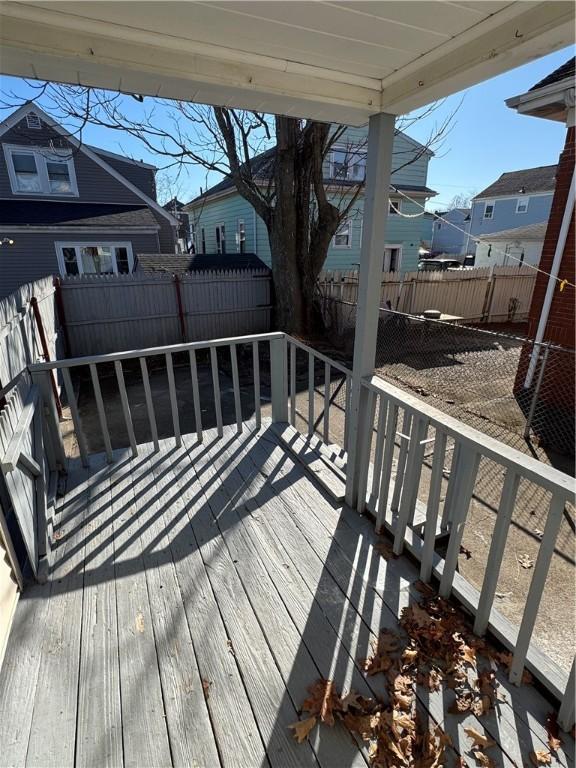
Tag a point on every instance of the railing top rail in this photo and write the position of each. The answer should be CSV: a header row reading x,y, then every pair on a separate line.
x,y
319,355
151,351
526,466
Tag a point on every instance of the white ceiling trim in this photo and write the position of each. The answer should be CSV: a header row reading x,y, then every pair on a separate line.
x,y
35,44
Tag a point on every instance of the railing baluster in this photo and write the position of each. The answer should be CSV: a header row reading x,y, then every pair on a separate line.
x,y
387,461
256,369
467,471
149,402
216,386
310,394
101,411
196,394
497,547
411,481
566,712
537,584
368,428
293,384
75,416
173,399
347,411
450,498
326,424
379,454
402,454
125,406
236,387
433,506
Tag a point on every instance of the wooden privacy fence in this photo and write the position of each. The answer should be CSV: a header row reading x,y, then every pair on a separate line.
x,y
21,340
117,312
489,295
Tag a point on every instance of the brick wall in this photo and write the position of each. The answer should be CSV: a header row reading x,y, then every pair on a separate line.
x,y
558,384
560,327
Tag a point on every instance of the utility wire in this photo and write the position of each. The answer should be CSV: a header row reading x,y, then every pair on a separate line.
x,y
563,282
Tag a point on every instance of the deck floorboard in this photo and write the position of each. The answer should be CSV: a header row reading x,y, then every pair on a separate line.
x,y
194,594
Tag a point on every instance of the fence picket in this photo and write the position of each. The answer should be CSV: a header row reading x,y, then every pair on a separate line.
x,y
387,460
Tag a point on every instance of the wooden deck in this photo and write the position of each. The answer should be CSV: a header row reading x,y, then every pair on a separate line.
x,y
194,595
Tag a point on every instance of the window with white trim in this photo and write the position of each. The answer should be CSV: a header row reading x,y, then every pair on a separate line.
x,y
220,238
40,171
241,237
347,164
394,207
95,258
522,204
343,236
489,210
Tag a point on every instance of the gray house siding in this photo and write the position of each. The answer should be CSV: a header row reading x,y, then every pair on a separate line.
x,y
95,184
505,216
140,176
447,239
33,254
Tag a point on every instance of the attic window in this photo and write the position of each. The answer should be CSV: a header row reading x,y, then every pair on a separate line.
x,y
33,121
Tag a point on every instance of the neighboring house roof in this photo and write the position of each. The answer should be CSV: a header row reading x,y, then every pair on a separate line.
x,y
528,232
20,113
107,153
185,262
262,166
44,213
526,181
562,73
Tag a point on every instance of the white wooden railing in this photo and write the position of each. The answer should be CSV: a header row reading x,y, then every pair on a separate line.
x,y
391,455
277,349
405,428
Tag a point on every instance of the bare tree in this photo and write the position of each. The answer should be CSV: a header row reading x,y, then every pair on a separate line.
x,y
462,200
276,163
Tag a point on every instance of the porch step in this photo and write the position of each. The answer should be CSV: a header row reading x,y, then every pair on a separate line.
x,y
325,462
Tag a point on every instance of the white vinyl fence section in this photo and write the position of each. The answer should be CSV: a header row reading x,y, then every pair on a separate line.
x,y
119,312
497,295
20,341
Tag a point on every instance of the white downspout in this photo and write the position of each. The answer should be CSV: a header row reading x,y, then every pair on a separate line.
x,y
552,280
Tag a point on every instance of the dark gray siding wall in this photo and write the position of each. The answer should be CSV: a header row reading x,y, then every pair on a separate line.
x,y
141,177
95,184
33,255
166,234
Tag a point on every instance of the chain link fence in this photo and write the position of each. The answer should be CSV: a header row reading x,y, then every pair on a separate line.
x,y
509,387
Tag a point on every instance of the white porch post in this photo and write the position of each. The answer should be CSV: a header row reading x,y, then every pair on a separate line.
x,y
378,169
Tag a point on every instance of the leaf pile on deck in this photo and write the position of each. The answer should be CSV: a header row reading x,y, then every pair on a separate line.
x,y
434,646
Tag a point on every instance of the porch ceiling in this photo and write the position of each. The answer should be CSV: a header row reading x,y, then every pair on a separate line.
x,y
340,61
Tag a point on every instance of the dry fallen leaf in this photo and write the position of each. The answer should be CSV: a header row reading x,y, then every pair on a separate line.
x,y
478,738
541,757
483,759
384,549
525,561
553,731
302,728
322,701
424,589
139,623
206,687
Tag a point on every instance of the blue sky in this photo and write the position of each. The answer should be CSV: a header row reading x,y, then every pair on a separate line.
x,y
486,140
